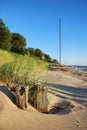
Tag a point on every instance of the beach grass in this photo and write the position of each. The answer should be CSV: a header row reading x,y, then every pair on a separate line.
x,y
20,69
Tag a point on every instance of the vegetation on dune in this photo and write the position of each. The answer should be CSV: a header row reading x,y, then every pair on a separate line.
x,y
20,69
5,57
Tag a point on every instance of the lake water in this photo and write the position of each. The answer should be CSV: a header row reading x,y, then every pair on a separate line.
x,y
84,68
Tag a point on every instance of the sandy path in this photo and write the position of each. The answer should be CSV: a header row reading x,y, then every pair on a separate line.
x,y
62,86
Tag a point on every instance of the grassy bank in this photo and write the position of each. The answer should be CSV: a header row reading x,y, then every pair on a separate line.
x,y
20,68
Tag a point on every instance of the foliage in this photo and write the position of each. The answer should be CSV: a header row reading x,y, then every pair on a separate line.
x,y
2,23
55,61
5,38
31,51
18,43
39,53
47,58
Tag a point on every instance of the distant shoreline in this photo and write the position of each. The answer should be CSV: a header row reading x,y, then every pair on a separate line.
x,y
81,67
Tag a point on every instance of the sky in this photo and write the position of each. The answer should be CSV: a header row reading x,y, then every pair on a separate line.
x,y
38,22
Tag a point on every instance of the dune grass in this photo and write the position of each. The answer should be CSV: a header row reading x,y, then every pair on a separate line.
x,y
5,57
20,69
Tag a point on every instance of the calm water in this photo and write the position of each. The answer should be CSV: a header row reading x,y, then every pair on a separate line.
x,y
84,68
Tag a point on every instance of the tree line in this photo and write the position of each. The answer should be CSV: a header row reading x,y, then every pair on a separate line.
x,y
16,43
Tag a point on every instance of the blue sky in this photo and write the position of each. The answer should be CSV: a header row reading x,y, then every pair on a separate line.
x,y
38,22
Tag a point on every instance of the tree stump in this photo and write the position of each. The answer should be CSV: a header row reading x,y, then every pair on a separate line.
x,y
42,99
22,96
38,98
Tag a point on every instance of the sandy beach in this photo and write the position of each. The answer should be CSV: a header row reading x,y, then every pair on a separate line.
x,y
65,90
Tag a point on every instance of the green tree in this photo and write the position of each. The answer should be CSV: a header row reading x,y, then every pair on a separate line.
x,y
47,58
39,53
31,51
18,43
2,23
5,38
55,61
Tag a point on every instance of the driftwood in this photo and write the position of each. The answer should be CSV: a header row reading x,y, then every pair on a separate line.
x,y
22,96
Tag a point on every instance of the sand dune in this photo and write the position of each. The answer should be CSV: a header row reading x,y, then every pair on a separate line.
x,y
62,86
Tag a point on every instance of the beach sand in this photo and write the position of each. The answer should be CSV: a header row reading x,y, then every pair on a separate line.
x,y
67,106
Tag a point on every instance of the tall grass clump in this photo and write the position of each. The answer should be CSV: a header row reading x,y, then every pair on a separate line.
x,y
5,57
15,72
